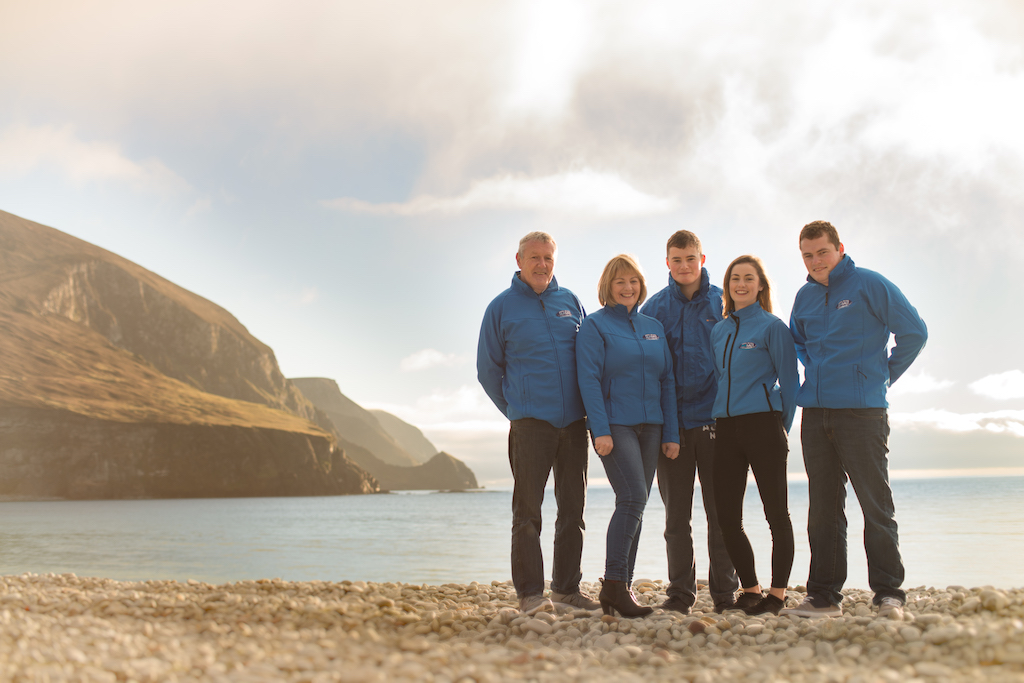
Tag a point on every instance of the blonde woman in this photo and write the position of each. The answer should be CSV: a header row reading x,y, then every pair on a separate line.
x,y
625,375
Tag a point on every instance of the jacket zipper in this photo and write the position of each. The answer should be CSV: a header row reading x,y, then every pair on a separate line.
x,y
728,392
554,347
643,391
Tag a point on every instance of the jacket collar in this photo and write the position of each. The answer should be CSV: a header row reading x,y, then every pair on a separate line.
x,y
747,312
524,288
702,292
620,311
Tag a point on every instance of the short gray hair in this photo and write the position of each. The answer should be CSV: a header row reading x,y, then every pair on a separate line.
x,y
537,236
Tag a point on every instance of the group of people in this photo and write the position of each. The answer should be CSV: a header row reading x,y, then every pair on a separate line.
x,y
700,382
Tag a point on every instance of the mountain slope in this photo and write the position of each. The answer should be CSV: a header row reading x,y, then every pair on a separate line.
x,y
87,335
440,471
356,424
408,436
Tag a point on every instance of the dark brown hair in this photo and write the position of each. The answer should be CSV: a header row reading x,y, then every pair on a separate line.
x,y
683,239
816,229
764,297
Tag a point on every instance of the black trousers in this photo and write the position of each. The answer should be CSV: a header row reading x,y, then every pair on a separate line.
x,y
758,442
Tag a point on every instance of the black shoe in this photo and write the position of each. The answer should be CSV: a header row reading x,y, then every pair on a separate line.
x,y
723,606
769,604
615,595
746,600
675,604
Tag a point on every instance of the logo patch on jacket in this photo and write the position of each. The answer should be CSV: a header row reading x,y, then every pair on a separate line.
x,y
843,304
651,337
748,345
564,314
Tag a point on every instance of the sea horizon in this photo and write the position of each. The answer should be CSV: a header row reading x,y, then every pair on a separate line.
x,y
966,531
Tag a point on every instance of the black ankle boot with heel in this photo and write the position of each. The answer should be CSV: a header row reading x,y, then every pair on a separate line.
x,y
615,595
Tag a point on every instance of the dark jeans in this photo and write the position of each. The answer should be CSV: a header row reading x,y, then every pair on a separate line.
x,y
675,482
758,442
535,448
630,467
840,444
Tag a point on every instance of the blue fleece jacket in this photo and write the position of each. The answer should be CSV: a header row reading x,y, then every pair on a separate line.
x,y
526,356
625,372
841,331
688,324
755,363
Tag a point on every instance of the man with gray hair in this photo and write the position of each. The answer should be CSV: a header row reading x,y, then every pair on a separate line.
x,y
526,362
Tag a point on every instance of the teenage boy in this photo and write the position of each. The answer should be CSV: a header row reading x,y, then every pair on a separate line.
x,y
841,322
688,308
526,362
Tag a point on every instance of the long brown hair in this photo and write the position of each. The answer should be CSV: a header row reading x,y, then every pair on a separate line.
x,y
764,297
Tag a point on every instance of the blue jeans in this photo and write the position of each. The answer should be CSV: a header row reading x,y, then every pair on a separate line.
x,y
535,448
840,444
630,467
675,482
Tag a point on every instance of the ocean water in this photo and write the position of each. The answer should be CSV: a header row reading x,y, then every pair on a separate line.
x,y
953,531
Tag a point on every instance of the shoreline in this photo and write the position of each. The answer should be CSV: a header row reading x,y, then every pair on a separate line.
x,y
63,627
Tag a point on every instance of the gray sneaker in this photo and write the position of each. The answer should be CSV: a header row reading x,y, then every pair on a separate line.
x,y
813,607
532,604
891,608
579,600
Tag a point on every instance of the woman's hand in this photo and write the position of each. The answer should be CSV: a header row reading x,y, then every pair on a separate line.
x,y
603,445
671,450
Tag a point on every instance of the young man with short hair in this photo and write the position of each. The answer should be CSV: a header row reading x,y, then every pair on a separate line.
x,y
841,322
526,362
688,308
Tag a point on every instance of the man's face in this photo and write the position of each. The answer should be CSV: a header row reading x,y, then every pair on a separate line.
x,y
685,265
536,264
820,257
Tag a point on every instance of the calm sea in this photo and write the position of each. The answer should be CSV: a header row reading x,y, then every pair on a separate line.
x,y
954,531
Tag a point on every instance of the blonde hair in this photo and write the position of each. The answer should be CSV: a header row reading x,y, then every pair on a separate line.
x,y
764,297
619,264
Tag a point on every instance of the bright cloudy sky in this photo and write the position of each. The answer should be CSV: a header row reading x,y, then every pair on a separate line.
x,y
351,179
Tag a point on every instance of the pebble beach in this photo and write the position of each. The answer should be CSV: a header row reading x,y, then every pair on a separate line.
x,y
68,628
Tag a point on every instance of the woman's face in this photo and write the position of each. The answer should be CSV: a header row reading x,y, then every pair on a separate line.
x,y
626,289
744,285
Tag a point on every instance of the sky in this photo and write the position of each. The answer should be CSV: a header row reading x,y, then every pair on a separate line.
x,y
351,180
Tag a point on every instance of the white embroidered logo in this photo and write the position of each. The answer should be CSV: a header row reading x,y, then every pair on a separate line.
x,y
564,314
843,304
651,337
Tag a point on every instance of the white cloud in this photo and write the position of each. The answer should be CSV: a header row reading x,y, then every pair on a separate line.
x,y
199,206
23,149
1005,385
584,193
548,56
920,383
999,421
431,358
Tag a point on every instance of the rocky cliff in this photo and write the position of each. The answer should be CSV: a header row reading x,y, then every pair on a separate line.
x,y
57,454
117,383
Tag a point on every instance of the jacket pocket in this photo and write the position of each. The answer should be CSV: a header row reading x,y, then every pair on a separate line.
x,y
858,384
